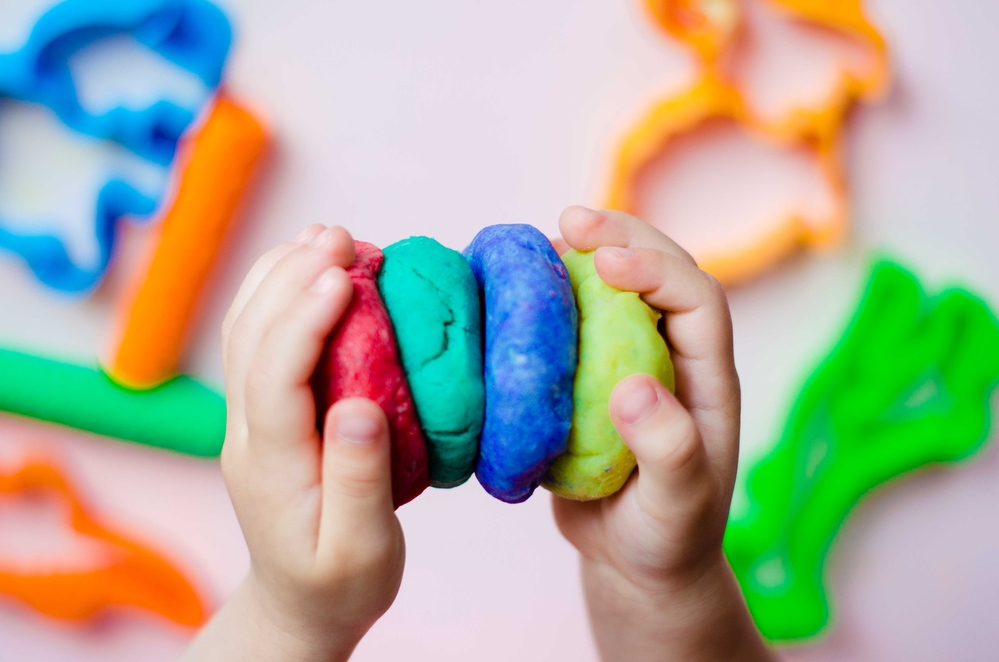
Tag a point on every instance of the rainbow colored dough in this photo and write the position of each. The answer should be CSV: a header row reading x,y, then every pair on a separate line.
x,y
433,301
618,337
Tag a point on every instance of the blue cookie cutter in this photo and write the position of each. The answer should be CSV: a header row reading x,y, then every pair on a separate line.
x,y
193,34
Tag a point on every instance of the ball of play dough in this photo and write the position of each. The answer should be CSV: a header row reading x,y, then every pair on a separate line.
x,y
433,301
618,337
530,357
361,360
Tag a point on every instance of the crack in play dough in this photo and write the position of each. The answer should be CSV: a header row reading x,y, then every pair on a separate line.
x,y
432,297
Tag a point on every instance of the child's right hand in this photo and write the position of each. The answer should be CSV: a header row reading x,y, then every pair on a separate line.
x,y
326,549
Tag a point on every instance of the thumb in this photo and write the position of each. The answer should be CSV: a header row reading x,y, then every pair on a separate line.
x,y
357,473
675,480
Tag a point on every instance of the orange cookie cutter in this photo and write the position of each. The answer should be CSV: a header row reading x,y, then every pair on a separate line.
x,y
709,28
153,324
133,576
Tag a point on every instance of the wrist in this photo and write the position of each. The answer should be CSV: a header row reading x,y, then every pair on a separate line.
x,y
288,630
252,627
695,615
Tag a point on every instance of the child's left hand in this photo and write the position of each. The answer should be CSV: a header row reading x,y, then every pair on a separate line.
x,y
656,581
326,549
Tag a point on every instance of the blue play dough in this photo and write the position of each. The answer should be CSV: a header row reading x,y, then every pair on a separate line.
x,y
193,34
530,357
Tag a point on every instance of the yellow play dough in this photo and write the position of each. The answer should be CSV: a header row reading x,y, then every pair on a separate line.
x,y
618,337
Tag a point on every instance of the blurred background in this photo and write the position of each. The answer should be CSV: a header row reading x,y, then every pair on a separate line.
x,y
442,117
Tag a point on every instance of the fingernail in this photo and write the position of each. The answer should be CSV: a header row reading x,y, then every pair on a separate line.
x,y
619,253
324,238
357,430
326,281
640,402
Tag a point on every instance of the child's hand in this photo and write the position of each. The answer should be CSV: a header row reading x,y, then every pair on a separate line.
x,y
326,549
657,584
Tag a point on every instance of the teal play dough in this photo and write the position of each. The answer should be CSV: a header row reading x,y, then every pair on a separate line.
x,y
432,298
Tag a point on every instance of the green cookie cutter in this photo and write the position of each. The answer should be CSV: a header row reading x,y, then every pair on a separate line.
x,y
908,385
182,415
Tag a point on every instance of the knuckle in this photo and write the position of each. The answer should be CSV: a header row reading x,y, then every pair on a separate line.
x,y
715,290
657,264
682,447
357,481
268,260
595,219
685,255
305,322
342,237
273,255
684,523
584,222
259,380
309,232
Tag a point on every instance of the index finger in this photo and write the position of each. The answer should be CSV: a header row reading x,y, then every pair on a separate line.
x,y
256,275
699,331
587,229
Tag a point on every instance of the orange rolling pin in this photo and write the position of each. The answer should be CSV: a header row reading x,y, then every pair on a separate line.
x,y
220,163
131,575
